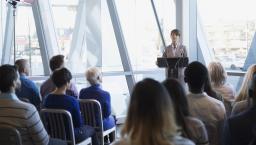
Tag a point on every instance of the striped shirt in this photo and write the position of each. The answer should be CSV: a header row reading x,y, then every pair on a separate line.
x,y
24,117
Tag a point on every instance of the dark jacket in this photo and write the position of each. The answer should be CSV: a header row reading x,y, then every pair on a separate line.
x,y
239,128
95,92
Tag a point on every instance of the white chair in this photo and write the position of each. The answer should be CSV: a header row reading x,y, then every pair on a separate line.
x,y
9,135
55,121
91,110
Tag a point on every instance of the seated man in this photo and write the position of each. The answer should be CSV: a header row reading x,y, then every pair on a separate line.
x,y
59,100
18,114
241,129
48,86
209,110
28,89
94,77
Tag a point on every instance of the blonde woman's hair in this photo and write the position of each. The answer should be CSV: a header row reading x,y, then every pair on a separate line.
x,y
93,75
243,92
217,73
150,119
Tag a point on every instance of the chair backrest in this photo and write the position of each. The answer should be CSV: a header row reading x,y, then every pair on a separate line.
x,y
9,135
59,124
92,115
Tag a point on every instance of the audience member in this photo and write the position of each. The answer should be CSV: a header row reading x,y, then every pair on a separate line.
x,y
18,114
240,129
150,119
59,100
48,86
242,102
191,127
28,89
218,77
94,77
209,110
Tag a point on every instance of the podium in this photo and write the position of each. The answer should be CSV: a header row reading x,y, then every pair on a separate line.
x,y
174,65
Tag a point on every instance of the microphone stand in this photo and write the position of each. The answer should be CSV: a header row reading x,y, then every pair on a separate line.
x,y
14,6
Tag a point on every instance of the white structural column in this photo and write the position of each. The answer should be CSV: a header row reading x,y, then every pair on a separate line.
x,y
121,44
182,19
193,48
186,21
8,36
46,32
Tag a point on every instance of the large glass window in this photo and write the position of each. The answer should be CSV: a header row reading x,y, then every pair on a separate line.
x,y
111,60
27,46
64,14
229,27
118,89
2,24
141,32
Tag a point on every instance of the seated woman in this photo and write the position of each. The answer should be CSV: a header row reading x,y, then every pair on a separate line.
x,y
94,77
242,100
191,127
150,119
58,100
218,77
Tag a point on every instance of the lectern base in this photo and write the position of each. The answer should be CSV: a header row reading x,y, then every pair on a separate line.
x,y
177,74
173,73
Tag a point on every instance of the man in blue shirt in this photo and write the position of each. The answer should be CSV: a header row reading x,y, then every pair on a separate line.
x,y
28,89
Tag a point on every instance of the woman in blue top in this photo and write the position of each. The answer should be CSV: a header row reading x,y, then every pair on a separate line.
x,y
59,100
94,77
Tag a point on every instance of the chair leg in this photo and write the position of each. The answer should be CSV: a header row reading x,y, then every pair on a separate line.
x,y
106,140
112,136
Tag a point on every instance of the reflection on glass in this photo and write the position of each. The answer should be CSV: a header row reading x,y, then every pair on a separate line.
x,y
229,27
64,14
27,46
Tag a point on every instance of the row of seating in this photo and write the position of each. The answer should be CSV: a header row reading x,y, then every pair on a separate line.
x,y
56,121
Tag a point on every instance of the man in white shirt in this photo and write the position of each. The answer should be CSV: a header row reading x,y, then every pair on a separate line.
x,y
209,110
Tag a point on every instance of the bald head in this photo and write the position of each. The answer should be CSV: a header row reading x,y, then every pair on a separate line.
x,y
23,66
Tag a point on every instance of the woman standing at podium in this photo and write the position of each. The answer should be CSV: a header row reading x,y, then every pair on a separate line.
x,y
176,49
